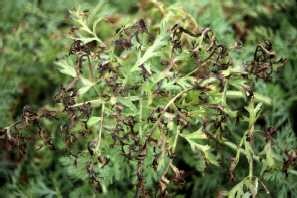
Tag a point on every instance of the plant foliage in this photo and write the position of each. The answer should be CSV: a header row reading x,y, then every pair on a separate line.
x,y
154,104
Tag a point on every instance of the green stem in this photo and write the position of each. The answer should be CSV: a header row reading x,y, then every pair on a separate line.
x,y
175,138
258,97
91,71
140,119
100,129
95,102
224,103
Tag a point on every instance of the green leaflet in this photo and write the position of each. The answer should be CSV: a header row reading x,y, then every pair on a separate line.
x,y
154,50
94,120
87,85
66,68
205,149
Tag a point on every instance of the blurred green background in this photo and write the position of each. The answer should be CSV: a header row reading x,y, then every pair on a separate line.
x,y
33,35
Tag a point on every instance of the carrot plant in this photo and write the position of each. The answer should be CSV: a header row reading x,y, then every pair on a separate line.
x,y
152,102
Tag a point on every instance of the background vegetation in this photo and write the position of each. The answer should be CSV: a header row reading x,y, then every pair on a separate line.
x,y
34,37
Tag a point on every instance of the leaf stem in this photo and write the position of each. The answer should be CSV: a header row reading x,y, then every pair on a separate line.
x,y
257,97
176,138
100,129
